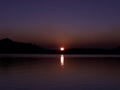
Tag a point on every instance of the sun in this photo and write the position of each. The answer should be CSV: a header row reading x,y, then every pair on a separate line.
x,y
62,48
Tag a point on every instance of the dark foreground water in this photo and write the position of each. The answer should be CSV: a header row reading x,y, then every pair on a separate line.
x,y
59,72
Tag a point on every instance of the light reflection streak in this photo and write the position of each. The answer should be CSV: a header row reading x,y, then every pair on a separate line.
x,y
62,61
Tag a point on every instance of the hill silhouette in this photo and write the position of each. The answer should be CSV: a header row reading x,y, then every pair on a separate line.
x,y
8,46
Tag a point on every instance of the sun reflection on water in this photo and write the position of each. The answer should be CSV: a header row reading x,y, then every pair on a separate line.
x,y
62,61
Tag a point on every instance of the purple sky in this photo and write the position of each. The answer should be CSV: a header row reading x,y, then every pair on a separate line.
x,y
51,23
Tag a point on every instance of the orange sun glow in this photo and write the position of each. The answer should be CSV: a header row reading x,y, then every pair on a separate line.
x,y
62,49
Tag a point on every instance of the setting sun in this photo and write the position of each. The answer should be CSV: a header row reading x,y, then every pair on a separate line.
x,y
62,49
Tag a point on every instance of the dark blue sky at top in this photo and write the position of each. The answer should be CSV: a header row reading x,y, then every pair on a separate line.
x,y
73,23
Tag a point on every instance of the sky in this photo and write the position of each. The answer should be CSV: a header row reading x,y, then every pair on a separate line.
x,y
68,23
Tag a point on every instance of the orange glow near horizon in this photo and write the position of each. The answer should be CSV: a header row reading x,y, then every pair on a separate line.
x,y
62,48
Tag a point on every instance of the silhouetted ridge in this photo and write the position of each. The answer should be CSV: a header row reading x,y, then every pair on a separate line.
x,y
10,46
6,40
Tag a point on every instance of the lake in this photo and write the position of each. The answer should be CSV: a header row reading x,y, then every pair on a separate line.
x,y
59,72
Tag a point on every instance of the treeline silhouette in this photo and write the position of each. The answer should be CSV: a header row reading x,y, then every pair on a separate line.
x,y
8,46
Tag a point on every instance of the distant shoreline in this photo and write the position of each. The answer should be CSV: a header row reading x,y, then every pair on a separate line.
x,y
8,46
63,54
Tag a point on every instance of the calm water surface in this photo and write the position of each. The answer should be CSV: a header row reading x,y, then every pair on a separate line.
x,y
59,72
